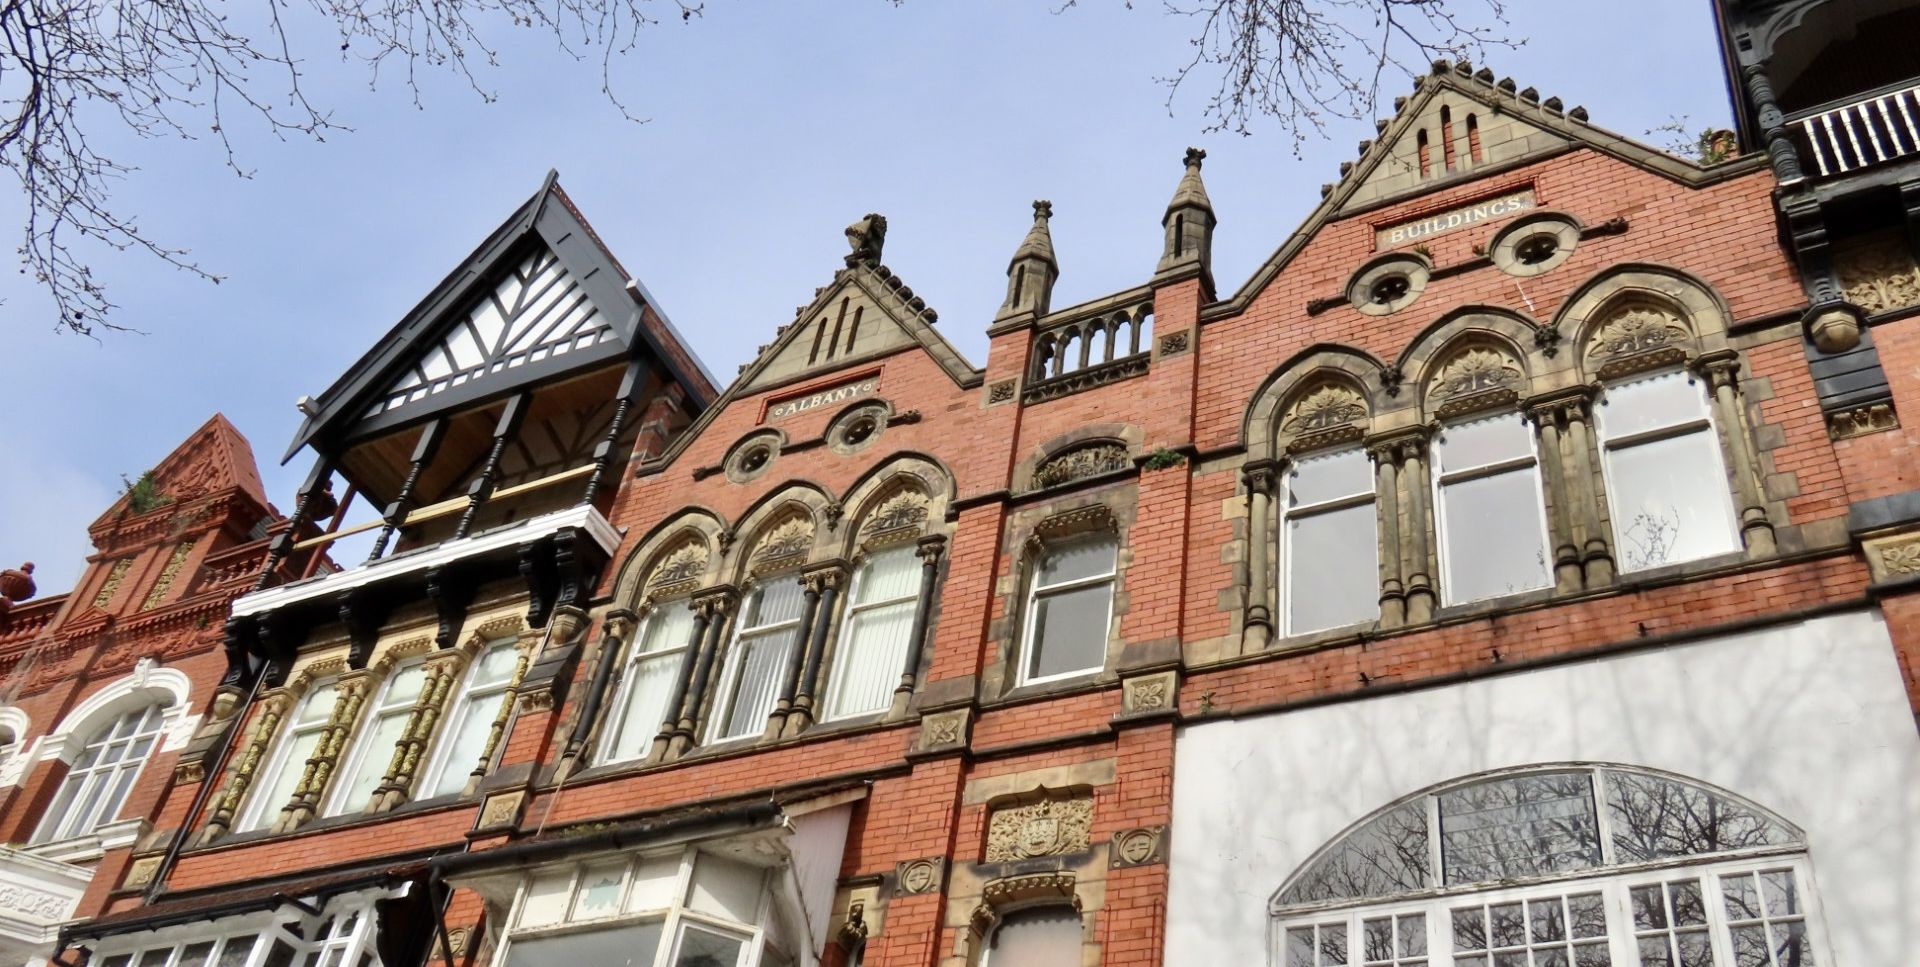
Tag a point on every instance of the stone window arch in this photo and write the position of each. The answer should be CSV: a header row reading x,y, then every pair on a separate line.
x,y
640,720
1575,863
1041,911
104,741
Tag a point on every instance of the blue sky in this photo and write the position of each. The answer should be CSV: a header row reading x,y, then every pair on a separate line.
x,y
771,127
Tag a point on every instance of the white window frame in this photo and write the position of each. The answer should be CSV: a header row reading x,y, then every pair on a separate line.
x,y
674,918
362,732
1029,640
449,725
150,724
854,608
1702,424
265,927
730,675
254,814
1288,514
629,672
1530,462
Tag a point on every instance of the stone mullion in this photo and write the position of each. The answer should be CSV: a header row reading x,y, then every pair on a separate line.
x,y
719,608
1567,572
1416,558
273,708
350,695
828,581
1259,479
498,729
1722,371
1589,532
1386,490
442,673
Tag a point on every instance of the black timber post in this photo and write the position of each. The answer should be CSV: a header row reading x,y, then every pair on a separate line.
x,y
482,486
396,512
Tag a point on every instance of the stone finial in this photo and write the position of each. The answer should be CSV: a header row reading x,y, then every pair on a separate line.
x,y
867,236
1194,157
1033,269
16,585
1189,222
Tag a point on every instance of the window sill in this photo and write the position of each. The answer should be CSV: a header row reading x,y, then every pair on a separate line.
x,y
343,821
92,846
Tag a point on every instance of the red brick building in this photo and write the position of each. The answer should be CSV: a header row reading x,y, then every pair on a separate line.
x,y
1517,569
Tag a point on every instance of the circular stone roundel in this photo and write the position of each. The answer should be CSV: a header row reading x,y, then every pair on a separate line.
x,y
1388,284
751,457
1535,244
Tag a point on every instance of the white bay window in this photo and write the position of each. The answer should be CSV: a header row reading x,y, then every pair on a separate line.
x,y
1666,480
764,639
874,634
1490,511
341,934
1329,551
1564,867
654,658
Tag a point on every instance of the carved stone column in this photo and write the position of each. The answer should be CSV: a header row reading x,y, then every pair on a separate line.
x,y
682,682
443,671
929,551
716,607
350,693
529,640
1568,575
273,707
1722,372
826,582
1415,554
790,675
1386,489
1260,479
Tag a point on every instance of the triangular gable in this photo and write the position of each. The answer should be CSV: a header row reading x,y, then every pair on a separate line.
x,y
213,458
1511,127
539,299
895,320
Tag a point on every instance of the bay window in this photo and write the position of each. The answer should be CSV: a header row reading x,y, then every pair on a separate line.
x,y
373,740
640,707
1329,534
340,934
1561,867
274,783
1489,509
97,783
767,634
469,723
1665,477
874,634
1069,609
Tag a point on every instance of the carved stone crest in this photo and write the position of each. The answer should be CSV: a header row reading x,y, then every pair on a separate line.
x,y
1174,343
1081,463
1001,391
1049,827
1138,847
919,876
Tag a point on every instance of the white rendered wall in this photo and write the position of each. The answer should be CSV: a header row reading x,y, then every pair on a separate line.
x,y
1808,720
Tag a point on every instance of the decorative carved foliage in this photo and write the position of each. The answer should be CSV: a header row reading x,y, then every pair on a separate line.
x,y
1636,328
1080,463
1330,411
1050,827
1473,372
168,574
1879,275
792,538
680,566
902,513
1862,420
115,575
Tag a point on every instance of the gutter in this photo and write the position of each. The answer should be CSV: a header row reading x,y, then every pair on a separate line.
x,y
638,834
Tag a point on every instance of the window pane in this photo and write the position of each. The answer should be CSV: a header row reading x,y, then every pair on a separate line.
x,y
1649,404
316,706
889,575
404,687
195,955
633,946
546,900
779,600
1494,540
656,881
1464,446
1075,560
725,888
374,755
466,740
1386,856
598,894
701,948
236,950
1332,567
669,626
1524,826
496,664
1314,480
1070,631
1670,501
274,793
758,662
1047,937
649,684
1655,818
867,667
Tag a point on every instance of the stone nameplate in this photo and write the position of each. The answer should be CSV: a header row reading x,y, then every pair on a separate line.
x,y
1440,223
794,406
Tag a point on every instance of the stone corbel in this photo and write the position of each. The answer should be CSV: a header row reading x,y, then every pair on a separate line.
x,y
1722,373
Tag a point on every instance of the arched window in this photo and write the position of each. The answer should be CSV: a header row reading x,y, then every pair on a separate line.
x,y
1571,866
1046,936
764,640
1666,480
102,774
382,726
1069,608
1489,509
875,633
463,739
1329,549
274,784
640,708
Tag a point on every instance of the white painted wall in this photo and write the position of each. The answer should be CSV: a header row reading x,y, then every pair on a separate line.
x,y
1808,720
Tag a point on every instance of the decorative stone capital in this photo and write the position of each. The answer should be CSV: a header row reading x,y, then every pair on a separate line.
x,y
1720,369
1259,476
914,877
930,548
830,575
715,604
1143,846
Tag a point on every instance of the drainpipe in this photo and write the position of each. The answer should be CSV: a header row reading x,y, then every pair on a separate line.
x,y
216,757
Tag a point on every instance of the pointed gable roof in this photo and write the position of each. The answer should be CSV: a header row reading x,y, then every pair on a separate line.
x,y
541,297
214,458
1514,126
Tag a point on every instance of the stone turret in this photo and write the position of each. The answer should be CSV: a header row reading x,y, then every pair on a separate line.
x,y
1189,223
1031,273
